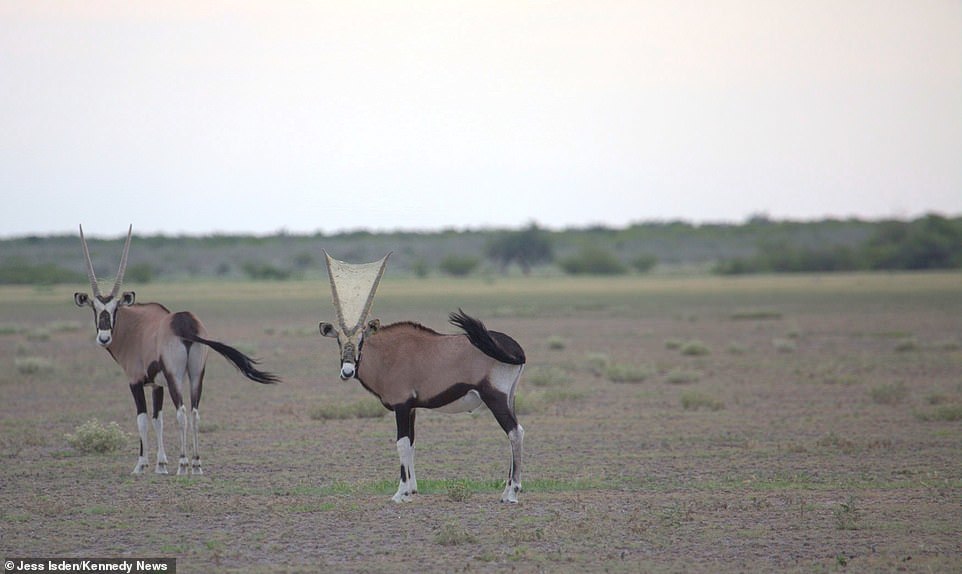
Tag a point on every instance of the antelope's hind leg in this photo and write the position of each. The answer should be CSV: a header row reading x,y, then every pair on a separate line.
x,y
500,400
196,384
137,390
407,487
161,467
174,388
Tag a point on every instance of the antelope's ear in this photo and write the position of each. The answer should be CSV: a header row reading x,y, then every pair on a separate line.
x,y
327,329
127,298
372,326
81,299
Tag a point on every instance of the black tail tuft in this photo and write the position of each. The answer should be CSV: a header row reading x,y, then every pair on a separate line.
x,y
243,363
492,343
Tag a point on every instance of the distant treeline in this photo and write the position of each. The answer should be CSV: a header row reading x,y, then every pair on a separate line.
x,y
760,245
932,242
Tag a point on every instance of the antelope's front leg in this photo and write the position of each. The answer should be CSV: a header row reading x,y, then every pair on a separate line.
x,y
405,449
137,390
161,467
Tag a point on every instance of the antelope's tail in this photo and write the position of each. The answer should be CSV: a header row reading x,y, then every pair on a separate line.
x,y
494,344
243,363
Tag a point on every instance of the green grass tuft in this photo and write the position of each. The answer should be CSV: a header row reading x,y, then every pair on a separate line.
x,y
695,348
889,394
453,534
943,413
681,377
32,365
546,376
619,373
693,401
359,410
756,314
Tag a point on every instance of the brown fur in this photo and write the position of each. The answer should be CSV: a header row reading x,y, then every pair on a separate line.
x,y
147,327
390,355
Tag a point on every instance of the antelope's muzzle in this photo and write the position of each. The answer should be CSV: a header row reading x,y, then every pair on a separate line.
x,y
348,361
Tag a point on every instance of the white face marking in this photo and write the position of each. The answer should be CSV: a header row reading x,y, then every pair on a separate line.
x,y
347,371
105,316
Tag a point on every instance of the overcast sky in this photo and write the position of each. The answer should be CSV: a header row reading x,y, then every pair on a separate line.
x,y
242,116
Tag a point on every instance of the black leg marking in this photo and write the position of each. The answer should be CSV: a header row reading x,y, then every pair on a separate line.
x,y
158,401
140,400
414,413
195,389
404,416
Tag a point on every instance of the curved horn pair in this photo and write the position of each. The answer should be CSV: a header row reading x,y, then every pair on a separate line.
x,y
90,266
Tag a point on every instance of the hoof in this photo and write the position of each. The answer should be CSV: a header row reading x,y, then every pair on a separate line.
x,y
197,470
138,470
161,468
402,497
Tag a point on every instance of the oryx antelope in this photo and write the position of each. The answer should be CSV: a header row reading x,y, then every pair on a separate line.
x,y
147,340
409,366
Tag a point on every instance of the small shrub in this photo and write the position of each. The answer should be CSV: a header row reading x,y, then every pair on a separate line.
x,y
889,394
847,515
32,365
38,334
527,403
693,401
944,413
556,343
756,314
10,329
451,534
547,377
681,377
695,348
907,344
360,410
673,344
459,491
596,363
93,437
619,373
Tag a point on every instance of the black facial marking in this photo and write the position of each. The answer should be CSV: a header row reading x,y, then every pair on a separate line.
x,y
104,322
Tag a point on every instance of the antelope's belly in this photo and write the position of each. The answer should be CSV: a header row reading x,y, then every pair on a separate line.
x,y
467,403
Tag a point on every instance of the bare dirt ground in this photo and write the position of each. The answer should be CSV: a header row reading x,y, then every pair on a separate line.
x,y
800,424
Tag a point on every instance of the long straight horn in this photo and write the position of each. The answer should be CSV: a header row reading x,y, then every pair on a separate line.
x,y
90,266
123,264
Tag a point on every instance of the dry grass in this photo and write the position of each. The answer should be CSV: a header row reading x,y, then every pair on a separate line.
x,y
796,468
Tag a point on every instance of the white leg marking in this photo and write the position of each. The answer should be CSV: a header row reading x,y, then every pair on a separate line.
x,y
161,453
182,463
406,454
196,468
513,487
142,430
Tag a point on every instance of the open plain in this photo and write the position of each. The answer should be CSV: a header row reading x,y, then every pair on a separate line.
x,y
808,423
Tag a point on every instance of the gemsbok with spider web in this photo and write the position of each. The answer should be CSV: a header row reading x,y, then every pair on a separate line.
x,y
146,339
408,366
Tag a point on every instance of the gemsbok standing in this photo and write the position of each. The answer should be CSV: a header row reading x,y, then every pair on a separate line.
x,y
408,366
146,339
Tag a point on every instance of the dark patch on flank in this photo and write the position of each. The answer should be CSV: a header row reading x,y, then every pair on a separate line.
x,y
448,396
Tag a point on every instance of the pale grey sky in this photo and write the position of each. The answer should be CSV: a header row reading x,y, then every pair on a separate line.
x,y
244,116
